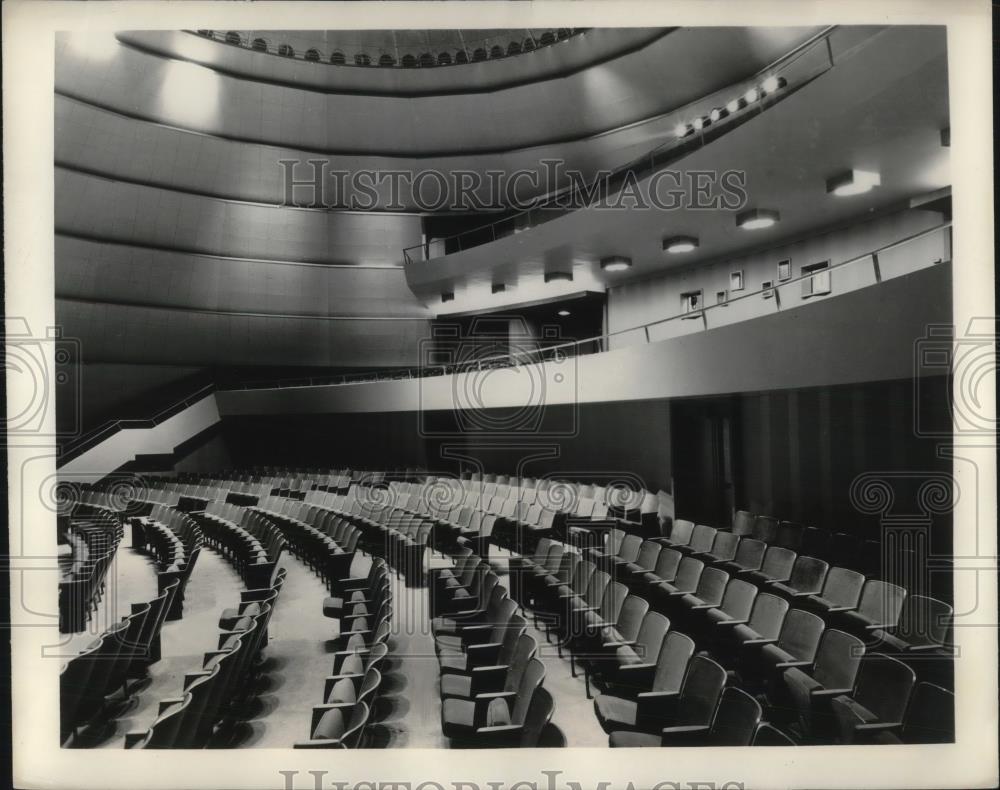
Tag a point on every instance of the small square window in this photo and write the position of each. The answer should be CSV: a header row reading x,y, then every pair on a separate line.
x,y
766,289
721,297
736,280
784,270
819,282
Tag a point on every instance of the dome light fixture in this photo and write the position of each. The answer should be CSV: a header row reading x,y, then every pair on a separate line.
x,y
757,218
499,288
563,313
773,84
852,182
447,296
736,104
751,95
718,114
701,122
678,244
683,129
556,276
616,263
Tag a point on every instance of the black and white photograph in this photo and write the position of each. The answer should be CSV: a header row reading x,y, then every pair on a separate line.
x,y
425,380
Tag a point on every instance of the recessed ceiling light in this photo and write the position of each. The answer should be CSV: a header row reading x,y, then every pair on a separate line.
x,y
772,84
736,104
757,218
718,114
683,129
852,182
552,276
701,123
563,313
616,263
499,288
447,296
678,244
751,95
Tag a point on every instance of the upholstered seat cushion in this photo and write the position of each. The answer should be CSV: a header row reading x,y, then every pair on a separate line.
x,y
448,643
452,662
233,614
626,655
352,665
615,713
459,715
242,624
453,685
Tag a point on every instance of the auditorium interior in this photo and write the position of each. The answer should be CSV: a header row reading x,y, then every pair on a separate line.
x,y
617,416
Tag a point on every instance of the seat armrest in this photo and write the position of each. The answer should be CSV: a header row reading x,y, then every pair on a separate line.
x,y
830,693
731,622
622,643
878,726
755,642
791,664
132,739
318,744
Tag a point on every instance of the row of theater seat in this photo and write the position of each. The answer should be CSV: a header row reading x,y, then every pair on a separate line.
x,y
174,539
363,607
214,697
90,682
746,637
94,540
247,539
491,679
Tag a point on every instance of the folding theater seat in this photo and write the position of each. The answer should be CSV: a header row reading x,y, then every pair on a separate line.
x,y
345,692
487,657
840,593
574,606
332,729
601,653
455,645
645,562
492,599
763,625
878,608
357,590
633,663
590,622
163,732
734,724
356,666
703,617
532,574
743,523
542,579
665,570
764,659
879,701
921,637
465,596
628,552
552,600
493,720
693,706
648,688
702,539
765,529
749,556
608,547
519,566
723,549
833,674
488,680
776,567
362,636
806,578
680,534
930,718
709,593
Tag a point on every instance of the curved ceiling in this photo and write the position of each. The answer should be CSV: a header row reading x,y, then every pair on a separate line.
x,y
881,108
634,88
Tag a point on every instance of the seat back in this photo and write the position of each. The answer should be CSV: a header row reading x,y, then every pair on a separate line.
x,y
672,662
789,535
533,677
778,562
599,582
649,553
750,553
930,718
700,692
800,634
504,612
667,563
765,528
581,578
652,632
613,601
539,714
689,574
629,549
881,602
702,538
712,586
524,651
631,618
924,621
355,726
808,575
163,732
843,586
516,626
681,532
768,615
743,523
725,545
738,598
837,659
883,686
736,719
